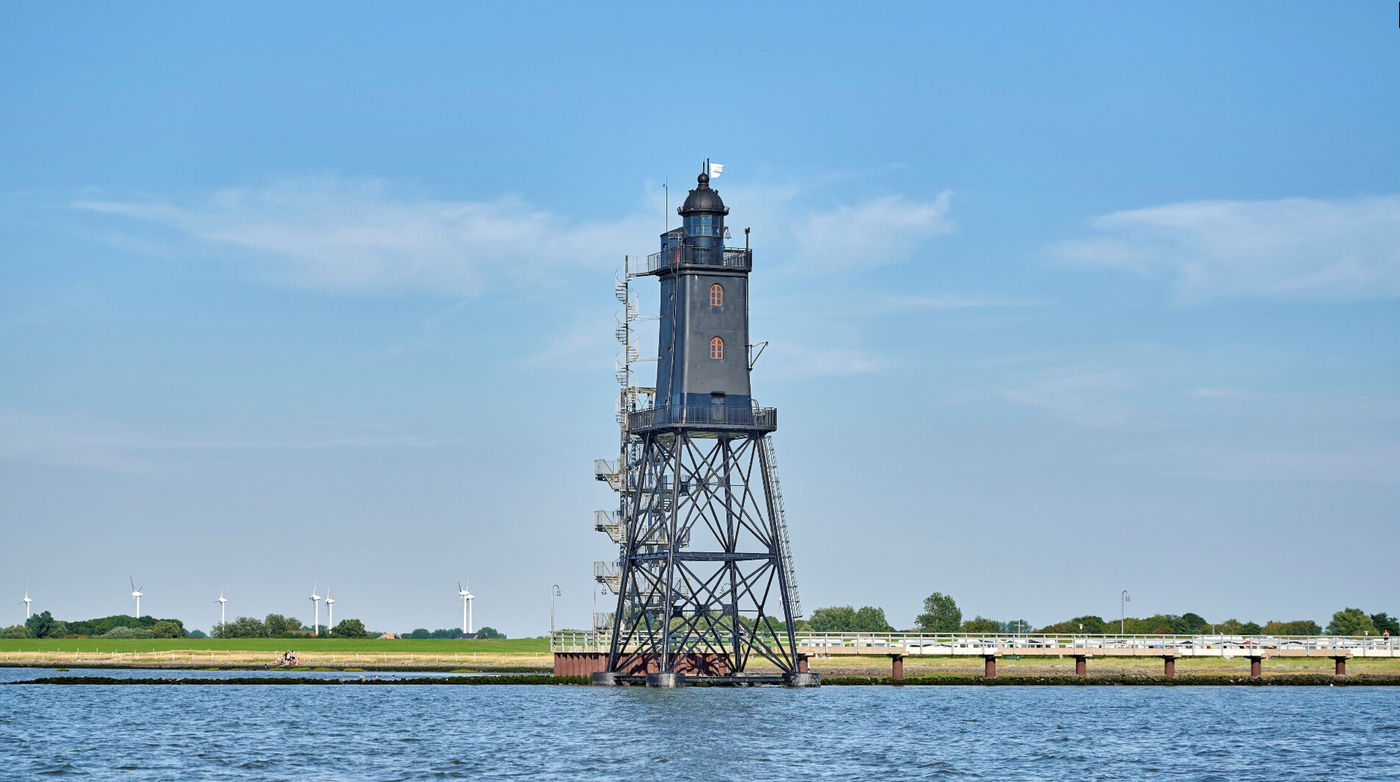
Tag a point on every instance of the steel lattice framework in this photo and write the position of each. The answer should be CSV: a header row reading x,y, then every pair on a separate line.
x,y
703,558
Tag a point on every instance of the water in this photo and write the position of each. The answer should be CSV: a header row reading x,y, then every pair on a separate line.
x,y
1232,734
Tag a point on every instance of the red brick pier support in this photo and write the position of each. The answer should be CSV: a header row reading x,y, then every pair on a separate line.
x,y
989,666
1256,667
579,663
1169,666
1081,665
896,666
1341,669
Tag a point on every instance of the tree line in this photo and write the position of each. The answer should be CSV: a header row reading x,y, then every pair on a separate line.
x,y
44,625
279,626
423,633
120,626
942,615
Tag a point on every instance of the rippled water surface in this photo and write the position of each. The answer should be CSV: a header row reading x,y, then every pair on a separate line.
x,y
580,733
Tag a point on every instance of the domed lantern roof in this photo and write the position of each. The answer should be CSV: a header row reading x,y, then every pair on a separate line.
x,y
703,200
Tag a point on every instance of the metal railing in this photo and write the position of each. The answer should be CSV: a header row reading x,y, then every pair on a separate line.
x,y
934,644
682,256
720,416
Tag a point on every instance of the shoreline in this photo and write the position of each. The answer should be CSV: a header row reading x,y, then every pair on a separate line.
x,y
1302,680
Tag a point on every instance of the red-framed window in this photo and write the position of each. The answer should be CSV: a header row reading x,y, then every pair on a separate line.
x,y
716,295
716,348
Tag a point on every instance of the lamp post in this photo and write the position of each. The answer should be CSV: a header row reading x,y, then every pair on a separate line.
x,y
553,593
1123,612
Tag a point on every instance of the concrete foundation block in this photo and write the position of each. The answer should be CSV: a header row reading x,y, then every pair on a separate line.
x,y
666,680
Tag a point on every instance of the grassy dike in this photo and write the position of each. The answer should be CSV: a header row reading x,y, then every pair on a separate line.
x,y
528,660
530,655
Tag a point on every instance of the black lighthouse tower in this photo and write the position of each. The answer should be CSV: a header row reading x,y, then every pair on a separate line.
x,y
706,582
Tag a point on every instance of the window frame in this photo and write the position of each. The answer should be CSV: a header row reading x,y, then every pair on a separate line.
x,y
716,348
716,295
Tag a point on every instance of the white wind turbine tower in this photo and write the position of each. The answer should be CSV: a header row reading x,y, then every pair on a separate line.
x,y
136,594
26,602
330,609
467,598
316,601
221,601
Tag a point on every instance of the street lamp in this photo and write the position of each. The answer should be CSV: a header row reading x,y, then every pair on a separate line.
x,y
1123,612
553,593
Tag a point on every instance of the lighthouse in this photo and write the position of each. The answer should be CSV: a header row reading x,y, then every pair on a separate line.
x,y
706,580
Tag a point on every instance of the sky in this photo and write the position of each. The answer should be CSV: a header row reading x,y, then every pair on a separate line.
x,y
1062,299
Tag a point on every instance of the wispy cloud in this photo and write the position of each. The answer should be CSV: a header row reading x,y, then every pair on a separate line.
x,y
1202,392
366,235
31,438
1083,396
788,359
1357,462
360,235
881,232
1295,248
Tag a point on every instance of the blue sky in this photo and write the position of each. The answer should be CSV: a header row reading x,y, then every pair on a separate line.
x,y
1062,300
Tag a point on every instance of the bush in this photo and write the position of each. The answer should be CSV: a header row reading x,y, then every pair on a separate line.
x,y
242,627
279,626
168,628
1296,627
941,614
14,631
128,632
1089,625
41,625
349,628
1351,621
980,624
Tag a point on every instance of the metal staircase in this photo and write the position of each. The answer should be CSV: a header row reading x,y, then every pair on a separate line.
x,y
608,574
780,521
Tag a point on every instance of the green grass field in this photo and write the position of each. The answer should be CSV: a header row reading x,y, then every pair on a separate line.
x,y
272,645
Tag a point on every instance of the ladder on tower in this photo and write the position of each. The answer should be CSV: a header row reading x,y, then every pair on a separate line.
x,y
780,521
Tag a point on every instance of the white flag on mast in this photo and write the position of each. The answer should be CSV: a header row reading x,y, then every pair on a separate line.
x,y
715,170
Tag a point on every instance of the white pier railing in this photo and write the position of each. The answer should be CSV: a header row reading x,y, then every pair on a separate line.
x,y
957,644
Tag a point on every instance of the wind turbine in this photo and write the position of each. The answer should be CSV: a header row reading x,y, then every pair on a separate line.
x,y
330,609
26,602
136,593
467,598
221,601
316,622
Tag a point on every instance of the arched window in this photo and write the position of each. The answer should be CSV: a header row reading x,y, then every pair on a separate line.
x,y
716,348
716,295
